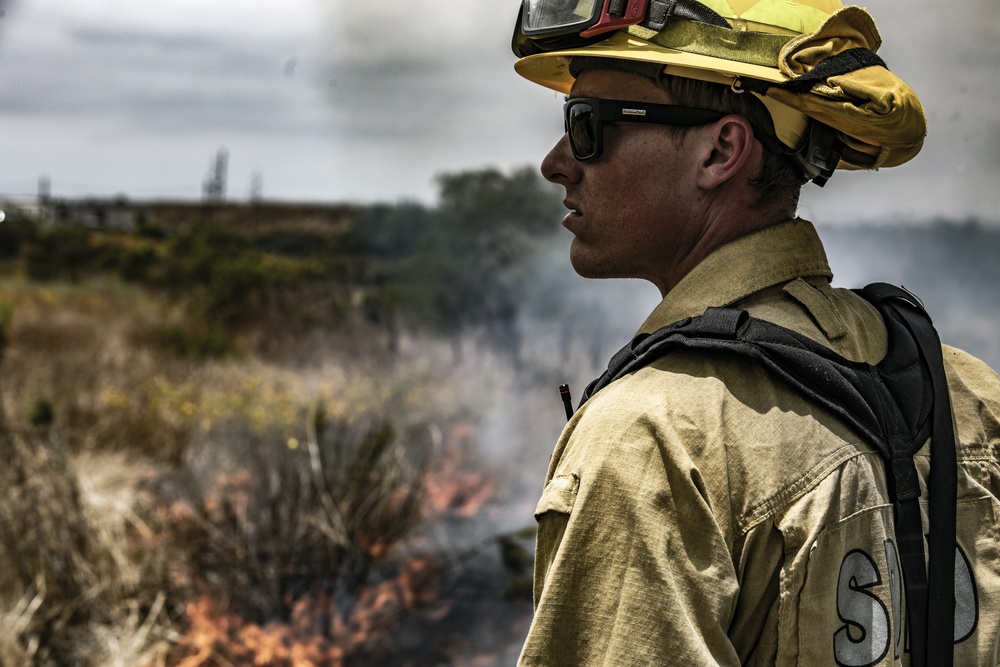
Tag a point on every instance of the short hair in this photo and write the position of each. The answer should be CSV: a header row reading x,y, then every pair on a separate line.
x,y
780,180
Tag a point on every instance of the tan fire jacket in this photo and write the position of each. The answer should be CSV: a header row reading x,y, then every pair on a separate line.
x,y
698,512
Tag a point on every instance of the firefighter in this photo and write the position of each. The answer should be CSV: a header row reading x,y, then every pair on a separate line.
x,y
699,510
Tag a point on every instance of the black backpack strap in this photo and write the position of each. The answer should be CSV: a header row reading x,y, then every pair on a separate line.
x,y
930,600
895,406
850,390
716,324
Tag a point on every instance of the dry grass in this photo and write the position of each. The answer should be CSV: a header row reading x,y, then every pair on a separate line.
x,y
164,510
85,352
78,580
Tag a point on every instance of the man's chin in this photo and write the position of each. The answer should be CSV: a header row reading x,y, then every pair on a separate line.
x,y
587,266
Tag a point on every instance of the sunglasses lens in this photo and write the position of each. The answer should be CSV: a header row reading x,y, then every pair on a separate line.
x,y
581,124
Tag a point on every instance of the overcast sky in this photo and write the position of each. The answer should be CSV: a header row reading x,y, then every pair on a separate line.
x,y
361,101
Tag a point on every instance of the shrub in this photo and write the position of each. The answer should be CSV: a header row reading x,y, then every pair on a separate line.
x,y
13,233
303,516
59,252
136,264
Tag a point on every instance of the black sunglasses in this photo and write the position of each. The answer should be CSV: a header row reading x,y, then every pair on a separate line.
x,y
585,118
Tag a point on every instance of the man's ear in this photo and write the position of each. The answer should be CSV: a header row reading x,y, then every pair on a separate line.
x,y
729,148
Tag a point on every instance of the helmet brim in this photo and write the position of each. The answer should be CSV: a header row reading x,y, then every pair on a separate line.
x,y
552,69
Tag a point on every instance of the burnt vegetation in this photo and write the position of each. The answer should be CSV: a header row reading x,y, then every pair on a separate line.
x,y
239,434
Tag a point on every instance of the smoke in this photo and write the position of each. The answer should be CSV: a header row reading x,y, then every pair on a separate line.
x,y
567,336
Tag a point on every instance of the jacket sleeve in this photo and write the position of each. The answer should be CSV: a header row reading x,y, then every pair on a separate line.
x,y
631,564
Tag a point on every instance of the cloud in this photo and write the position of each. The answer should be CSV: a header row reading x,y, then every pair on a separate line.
x,y
154,80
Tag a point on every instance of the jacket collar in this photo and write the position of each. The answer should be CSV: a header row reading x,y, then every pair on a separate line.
x,y
771,256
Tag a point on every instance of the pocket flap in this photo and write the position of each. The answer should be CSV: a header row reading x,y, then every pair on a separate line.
x,y
559,495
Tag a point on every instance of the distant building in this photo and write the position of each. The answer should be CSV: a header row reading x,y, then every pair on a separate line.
x,y
121,215
115,215
28,207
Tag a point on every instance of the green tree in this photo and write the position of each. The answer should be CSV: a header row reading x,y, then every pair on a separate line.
x,y
464,268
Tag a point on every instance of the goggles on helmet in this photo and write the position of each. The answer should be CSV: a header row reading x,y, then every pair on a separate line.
x,y
585,118
552,25
583,17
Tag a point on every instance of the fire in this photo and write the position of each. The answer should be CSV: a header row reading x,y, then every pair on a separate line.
x,y
454,487
319,633
458,494
334,620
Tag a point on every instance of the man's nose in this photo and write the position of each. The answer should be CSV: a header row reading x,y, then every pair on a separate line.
x,y
559,166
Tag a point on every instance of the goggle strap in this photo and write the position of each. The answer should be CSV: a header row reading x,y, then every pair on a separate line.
x,y
617,7
752,48
662,11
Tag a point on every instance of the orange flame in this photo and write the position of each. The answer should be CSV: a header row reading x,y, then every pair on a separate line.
x,y
318,634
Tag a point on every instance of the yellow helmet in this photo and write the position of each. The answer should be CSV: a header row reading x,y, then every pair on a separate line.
x,y
804,59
